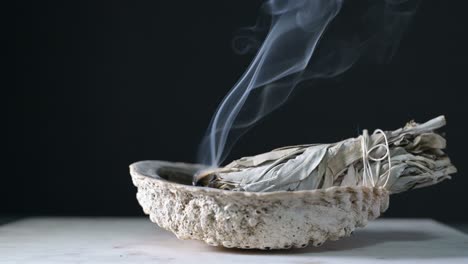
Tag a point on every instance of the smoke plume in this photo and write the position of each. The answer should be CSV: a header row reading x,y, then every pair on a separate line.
x,y
290,53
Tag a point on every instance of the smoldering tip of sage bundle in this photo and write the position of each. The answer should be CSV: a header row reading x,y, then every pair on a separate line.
x,y
400,160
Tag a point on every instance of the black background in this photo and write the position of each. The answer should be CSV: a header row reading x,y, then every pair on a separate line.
x,y
98,85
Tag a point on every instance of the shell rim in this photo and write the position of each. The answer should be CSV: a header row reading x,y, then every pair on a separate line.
x,y
136,170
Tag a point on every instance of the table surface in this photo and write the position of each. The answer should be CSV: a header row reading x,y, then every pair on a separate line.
x,y
137,240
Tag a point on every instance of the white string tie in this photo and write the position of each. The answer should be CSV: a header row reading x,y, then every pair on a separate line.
x,y
368,174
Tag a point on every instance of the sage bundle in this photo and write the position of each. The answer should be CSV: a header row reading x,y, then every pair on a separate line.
x,y
400,160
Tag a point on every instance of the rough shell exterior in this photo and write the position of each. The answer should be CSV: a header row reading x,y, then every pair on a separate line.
x,y
271,220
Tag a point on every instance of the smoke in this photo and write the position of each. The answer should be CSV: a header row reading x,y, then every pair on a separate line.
x,y
290,54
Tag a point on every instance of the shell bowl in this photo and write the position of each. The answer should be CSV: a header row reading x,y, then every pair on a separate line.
x,y
267,220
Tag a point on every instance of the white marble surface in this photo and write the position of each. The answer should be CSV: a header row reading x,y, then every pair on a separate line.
x,y
137,240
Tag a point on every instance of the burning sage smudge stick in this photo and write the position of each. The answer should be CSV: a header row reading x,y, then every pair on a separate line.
x,y
400,160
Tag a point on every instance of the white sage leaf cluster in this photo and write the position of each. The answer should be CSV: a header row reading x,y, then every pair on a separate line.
x,y
400,160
